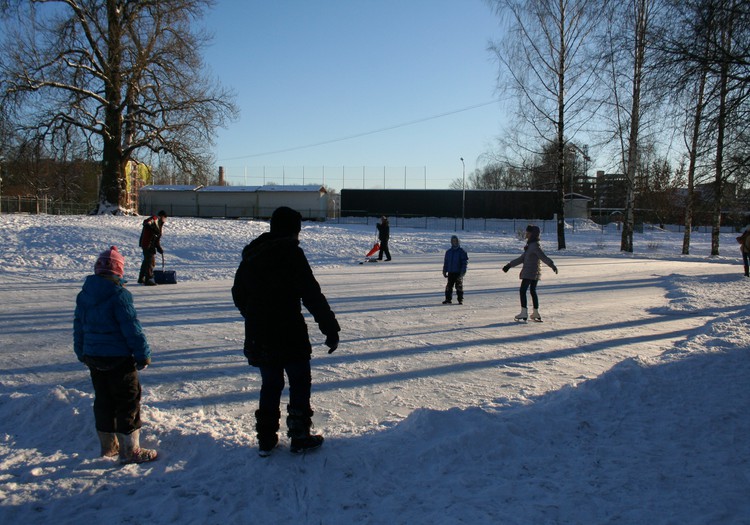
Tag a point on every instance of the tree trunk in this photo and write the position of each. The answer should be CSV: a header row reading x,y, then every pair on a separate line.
x,y
561,134
726,42
691,168
112,187
626,243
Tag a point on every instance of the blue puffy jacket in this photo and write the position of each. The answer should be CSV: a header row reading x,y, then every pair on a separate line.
x,y
105,322
456,260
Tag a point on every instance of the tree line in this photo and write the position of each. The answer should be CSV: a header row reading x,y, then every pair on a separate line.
x,y
656,90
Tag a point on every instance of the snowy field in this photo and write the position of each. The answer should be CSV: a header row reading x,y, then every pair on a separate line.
x,y
628,405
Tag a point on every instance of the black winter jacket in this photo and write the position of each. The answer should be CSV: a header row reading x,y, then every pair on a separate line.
x,y
273,277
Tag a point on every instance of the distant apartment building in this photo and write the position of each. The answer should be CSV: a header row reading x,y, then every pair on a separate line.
x,y
610,191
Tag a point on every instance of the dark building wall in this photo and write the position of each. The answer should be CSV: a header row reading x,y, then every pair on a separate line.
x,y
490,204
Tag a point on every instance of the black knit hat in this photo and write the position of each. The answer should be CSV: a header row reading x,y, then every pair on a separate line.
x,y
286,221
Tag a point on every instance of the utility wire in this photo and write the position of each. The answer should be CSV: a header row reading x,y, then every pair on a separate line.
x,y
380,130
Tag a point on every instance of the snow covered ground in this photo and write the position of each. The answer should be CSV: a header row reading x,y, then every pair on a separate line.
x,y
629,404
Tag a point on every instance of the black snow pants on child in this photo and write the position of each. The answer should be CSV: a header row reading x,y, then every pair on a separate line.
x,y
117,394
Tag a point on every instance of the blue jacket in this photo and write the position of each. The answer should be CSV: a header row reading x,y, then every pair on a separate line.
x,y
456,260
105,322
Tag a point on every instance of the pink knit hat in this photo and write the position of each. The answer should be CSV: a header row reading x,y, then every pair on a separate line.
x,y
110,262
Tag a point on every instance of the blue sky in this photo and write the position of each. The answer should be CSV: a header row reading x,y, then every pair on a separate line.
x,y
308,73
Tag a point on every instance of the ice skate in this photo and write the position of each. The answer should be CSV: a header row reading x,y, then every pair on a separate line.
x,y
535,316
522,316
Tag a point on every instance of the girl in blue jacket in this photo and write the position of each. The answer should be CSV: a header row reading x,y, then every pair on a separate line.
x,y
454,269
109,339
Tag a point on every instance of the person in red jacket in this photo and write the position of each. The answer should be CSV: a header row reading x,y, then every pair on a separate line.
x,y
150,243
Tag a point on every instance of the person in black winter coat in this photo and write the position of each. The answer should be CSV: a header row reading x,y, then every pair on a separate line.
x,y
271,281
744,241
150,243
384,233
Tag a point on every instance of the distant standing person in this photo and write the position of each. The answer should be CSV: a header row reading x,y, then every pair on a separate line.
x,y
150,243
454,268
384,233
271,281
744,241
530,272
109,339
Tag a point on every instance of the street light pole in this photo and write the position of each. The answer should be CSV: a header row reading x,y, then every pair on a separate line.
x,y
463,193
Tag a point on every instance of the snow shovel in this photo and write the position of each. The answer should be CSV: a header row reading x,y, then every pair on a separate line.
x,y
375,248
165,276
368,255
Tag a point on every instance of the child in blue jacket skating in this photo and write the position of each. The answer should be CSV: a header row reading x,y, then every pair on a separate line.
x,y
454,269
109,339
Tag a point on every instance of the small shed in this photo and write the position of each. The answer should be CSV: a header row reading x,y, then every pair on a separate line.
x,y
228,201
311,200
577,206
177,200
234,201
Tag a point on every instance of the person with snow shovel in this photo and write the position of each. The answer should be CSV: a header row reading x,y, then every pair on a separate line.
x,y
384,233
150,243
272,281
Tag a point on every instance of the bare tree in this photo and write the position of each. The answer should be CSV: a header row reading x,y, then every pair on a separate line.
x,y
710,58
627,38
492,177
127,74
550,64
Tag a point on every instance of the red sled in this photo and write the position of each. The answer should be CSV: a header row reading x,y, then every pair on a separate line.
x,y
375,248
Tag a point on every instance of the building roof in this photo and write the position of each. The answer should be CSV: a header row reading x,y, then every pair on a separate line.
x,y
577,197
171,187
238,189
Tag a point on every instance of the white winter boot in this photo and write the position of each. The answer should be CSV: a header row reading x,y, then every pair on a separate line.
x,y
535,316
523,315
108,441
131,451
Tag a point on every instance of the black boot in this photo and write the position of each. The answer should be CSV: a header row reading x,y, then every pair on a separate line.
x,y
267,425
298,424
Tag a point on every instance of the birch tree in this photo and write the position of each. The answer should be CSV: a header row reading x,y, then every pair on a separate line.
x,y
547,60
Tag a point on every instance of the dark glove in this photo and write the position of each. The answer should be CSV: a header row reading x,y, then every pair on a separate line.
x,y
332,342
554,268
141,365
160,250
445,274
506,268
